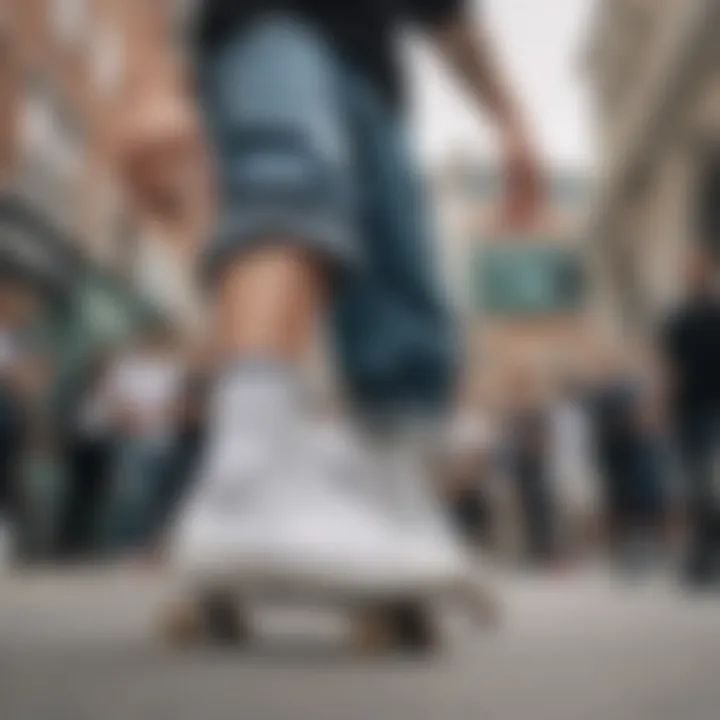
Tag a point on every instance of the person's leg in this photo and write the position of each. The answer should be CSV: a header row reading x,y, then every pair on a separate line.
x,y
5,475
278,124
714,460
12,505
10,443
526,496
98,467
72,508
182,469
537,513
130,496
165,481
615,518
5,497
268,303
396,341
285,228
697,459
546,520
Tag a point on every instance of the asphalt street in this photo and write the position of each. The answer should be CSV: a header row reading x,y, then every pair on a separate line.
x,y
84,646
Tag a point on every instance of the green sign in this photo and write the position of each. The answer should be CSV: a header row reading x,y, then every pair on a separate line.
x,y
523,279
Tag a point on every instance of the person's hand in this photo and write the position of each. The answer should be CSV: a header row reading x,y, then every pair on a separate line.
x,y
524,202
161,157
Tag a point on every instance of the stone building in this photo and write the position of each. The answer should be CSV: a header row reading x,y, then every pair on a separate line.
x,y
66,70
654,71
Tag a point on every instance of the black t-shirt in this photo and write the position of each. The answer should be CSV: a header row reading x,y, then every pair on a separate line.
x,y
691,341
364,32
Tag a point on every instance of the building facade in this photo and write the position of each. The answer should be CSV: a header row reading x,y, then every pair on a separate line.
x,y
79,272
67,68
654,71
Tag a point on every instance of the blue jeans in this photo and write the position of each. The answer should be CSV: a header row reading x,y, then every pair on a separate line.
x,y
11,447
699,444
140,484
309,152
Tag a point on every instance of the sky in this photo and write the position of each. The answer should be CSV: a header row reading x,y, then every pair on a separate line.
x,y
541,43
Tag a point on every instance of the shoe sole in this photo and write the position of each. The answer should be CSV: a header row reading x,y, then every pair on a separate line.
x,y
332,581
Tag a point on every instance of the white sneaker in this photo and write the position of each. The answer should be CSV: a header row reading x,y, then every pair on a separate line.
x,y
269,514
431,548
392,473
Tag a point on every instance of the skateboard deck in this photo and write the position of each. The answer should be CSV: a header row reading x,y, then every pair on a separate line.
x,y
221,616
222,619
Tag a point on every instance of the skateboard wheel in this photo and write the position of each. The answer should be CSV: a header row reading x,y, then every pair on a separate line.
x,y
373,633
215,618
181,625
414,628
405,627
222,619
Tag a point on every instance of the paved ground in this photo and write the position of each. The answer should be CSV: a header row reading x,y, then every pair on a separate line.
x,y
572,649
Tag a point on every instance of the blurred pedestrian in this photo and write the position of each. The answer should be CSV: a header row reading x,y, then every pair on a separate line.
x,y
471,456
530,461
691,347
143,397
656,466
190,435
17,379
12,440
616,411
573,466
89,447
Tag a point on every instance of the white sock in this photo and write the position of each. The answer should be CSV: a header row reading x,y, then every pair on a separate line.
x,y
257,392
255,408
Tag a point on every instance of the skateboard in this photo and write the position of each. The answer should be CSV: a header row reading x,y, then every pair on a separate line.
x,y
221,617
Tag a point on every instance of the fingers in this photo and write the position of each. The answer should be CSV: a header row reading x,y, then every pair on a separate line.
x,y
524,201
162,162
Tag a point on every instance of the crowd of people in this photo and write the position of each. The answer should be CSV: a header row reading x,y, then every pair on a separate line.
x,y
578,458
618,458
549,467
100,474
131,446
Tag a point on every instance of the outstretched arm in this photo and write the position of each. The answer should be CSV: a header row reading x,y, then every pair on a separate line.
x,y
157,135
468,50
